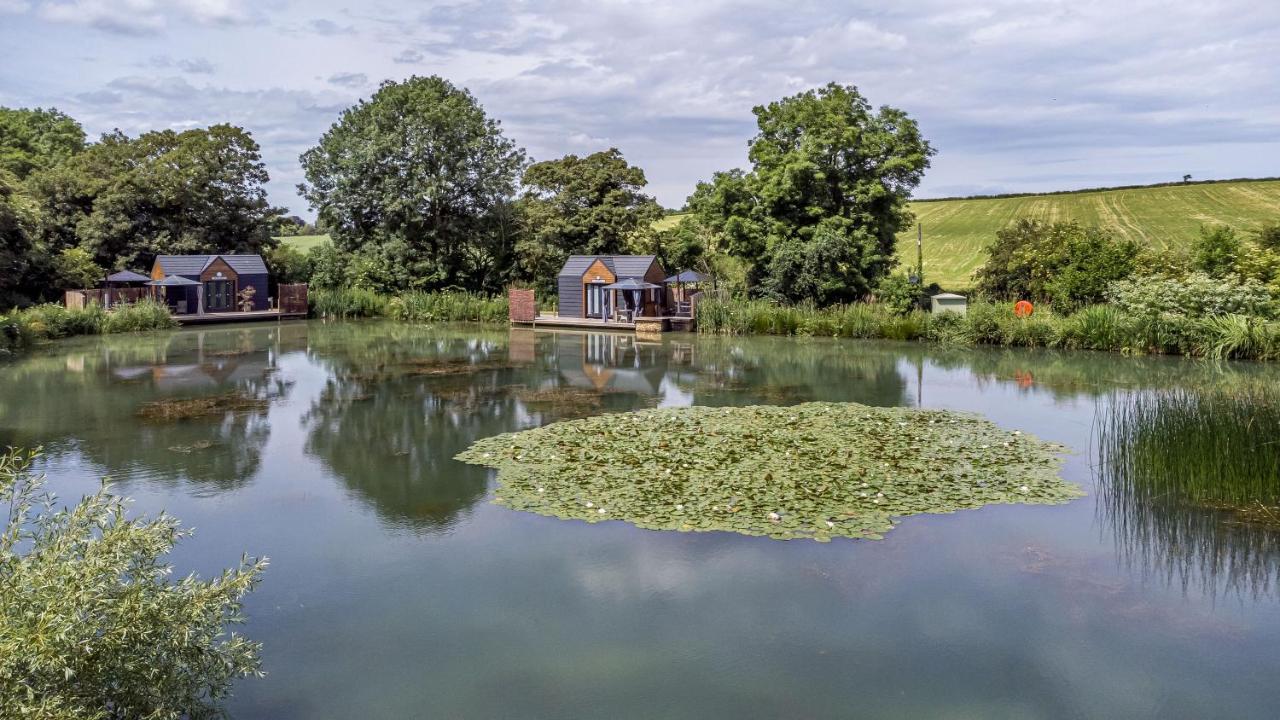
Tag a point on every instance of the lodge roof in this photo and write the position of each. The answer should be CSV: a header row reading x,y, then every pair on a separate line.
x,y
196,264
623,266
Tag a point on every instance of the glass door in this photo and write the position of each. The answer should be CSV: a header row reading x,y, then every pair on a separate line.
x,y
217,295
595,300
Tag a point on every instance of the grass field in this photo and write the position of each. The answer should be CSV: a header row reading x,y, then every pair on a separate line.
x,y
303,243
1165,217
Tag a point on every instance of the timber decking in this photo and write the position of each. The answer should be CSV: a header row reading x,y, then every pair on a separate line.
x,y
230,317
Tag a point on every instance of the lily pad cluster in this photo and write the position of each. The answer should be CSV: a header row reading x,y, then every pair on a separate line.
x,y
817,470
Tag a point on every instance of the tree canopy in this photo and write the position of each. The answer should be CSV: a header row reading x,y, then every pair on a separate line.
x,y
417,182
35,139
815,218
581,206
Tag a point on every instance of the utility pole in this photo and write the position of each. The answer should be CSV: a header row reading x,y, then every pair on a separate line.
x,y
920,252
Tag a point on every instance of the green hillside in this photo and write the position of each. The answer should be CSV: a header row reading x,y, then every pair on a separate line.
x,y
1167,217
303,243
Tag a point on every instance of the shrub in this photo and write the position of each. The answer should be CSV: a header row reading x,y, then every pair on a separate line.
x,y
138,317
1216,252
1195,296
93,627
1064,263
446,306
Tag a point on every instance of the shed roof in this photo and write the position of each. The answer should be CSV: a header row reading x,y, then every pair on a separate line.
x,y
195,264
948,296
624,266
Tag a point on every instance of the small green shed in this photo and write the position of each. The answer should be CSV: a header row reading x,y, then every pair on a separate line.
x,y
950,302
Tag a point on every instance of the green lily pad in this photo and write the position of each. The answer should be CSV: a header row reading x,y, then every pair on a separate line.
x,y
817,470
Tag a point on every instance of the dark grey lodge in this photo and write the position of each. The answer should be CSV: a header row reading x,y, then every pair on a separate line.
x,y
611,286
210,283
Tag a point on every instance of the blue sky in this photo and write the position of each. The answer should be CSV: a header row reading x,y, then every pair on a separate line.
x,y
1016,96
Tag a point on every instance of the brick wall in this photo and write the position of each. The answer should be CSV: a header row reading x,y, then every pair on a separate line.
x,y
522,307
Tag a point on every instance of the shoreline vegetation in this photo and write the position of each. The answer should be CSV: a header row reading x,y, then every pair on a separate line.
x,y
20,329
1104,328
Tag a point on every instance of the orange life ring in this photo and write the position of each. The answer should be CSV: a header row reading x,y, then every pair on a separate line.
x,y
1023,308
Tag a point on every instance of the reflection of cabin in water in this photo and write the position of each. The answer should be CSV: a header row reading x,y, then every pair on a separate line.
x,y
609,362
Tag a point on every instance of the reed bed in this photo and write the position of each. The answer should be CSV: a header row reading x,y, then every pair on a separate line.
x,y
416,307
1099,327
1190,484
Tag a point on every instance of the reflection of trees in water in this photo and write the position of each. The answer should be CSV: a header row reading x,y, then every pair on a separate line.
x,y
1070,374
1189,486
743,371
81,396
390,434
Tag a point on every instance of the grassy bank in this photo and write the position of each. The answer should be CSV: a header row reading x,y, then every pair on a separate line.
x,y
1099,327
23,328
409,307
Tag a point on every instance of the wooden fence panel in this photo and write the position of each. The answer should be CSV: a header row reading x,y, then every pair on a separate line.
x,y
293,299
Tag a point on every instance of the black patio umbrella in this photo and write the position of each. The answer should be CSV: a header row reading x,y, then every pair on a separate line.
x,y
633,285
127,276
688,276
179,281
122,278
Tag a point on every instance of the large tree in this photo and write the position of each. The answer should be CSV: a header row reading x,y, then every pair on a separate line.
x,y
18,249
815,218
582,205
417,183
125,200
34,139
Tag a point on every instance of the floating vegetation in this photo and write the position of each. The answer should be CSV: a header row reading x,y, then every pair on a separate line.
x,y
188,449
1190,485
187,408
818,470
452,366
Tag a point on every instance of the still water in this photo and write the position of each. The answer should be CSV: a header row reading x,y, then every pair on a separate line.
x,y
397,590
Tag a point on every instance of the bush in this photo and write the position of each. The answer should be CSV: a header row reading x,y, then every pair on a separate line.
x,y
1216,252
1064,263
447,306
92,625
138,317
1195,296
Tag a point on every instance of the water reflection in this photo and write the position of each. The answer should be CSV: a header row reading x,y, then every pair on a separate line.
x,y
77,396
1190,485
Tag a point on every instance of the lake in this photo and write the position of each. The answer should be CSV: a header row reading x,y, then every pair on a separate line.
x,y
396,589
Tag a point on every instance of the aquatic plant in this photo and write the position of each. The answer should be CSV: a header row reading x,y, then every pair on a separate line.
x,y
1190,484
817,470
170,410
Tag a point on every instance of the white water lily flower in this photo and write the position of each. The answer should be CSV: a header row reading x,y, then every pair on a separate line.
x,y
1024,489
830,524
679,506
601,511
542,489
775,517
863,494
590,504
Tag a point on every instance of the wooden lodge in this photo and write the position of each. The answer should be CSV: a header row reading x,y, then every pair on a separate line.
x,y
612,292
202,289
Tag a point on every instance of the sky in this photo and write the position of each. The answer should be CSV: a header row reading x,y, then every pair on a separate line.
x,y
1015,96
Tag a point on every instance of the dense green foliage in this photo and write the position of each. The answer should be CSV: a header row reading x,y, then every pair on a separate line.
x,y
816,217
593,205
415,184
1161,219
22,328
91,624
816,470
1064,263
36,139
